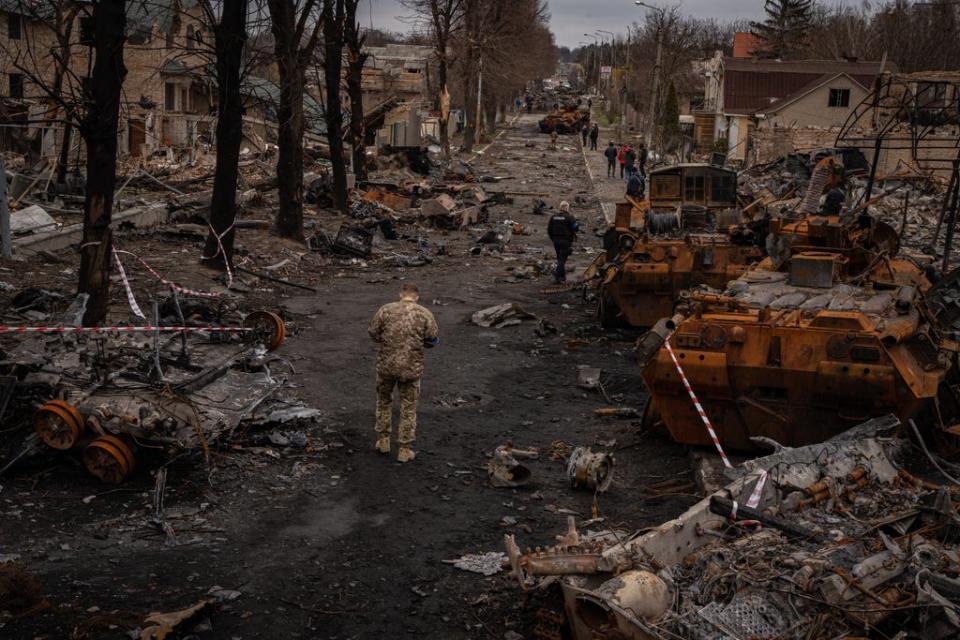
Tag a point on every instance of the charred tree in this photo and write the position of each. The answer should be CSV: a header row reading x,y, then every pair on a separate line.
x,y
293,53
230,37
443,18
333,36
99,131
356,60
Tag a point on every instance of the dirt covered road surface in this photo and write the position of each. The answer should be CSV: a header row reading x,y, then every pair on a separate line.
x,y
333,540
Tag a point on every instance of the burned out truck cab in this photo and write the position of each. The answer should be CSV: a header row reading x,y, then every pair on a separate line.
x,y
687,233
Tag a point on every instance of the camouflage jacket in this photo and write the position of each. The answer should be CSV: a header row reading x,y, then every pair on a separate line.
x,y
401,329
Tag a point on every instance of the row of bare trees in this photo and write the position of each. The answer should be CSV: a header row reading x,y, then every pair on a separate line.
x,y
494,46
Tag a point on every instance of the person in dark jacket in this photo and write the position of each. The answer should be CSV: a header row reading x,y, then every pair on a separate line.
x,y
629,162
594,134
562,230
833,203
642,160
635,185
611,154
583,134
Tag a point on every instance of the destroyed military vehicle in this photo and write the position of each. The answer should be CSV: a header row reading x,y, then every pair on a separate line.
x,y
830,330
567,119
687,233
109,395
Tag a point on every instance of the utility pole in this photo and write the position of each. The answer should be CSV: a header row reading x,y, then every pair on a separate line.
x,y
613,57
655,89
596,59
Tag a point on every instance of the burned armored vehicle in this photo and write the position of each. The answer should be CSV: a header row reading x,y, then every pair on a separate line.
x,y
688,232
567,119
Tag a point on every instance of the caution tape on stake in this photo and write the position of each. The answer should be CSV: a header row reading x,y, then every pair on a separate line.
x,y
754,500
697,405
123,329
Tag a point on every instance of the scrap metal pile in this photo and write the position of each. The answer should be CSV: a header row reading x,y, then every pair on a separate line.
x,y
109,395
840,539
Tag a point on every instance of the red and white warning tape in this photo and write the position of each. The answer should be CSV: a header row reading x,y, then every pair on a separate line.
x,y
170,283
131,300
226,263
697,405
121,329
754,500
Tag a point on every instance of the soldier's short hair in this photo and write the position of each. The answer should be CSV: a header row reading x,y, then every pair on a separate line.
x,y
408,288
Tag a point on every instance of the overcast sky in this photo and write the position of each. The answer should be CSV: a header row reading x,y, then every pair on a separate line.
x,y
571,18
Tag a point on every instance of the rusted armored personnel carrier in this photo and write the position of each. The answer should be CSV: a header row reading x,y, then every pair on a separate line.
x,y
795,356
687,233
568,119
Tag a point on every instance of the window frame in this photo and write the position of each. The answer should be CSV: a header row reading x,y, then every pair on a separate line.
x,y
842,95
11,83
14,19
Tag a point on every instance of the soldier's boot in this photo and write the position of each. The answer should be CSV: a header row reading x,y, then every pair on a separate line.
x,y
383,444
406,454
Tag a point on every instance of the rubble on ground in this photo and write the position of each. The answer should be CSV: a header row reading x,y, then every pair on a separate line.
x,y
854,533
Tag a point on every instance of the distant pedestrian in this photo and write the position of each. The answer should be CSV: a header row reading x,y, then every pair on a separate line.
x,y
401,330
635,185
622,158
584,131
594,134
517,104
553,139
611,154
590,103
562,230
642,160
629,161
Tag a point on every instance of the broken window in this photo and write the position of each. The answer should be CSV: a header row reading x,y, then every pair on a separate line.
x,y
14,27
723,189
170,96
16,86
190,37
839,98
88,31
693,189
931,95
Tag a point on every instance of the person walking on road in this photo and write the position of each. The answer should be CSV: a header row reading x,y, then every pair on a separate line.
x,y
611,154
584,132
622,158
553,139
594,134
401,330
629,160
635,185
562,230
642,160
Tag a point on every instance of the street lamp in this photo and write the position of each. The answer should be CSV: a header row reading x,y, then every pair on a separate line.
x,y
651,112
597,60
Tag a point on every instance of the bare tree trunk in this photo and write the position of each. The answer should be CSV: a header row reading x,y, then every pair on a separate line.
x,y
290,120
444,103
100,133
356,61
230,38
333,19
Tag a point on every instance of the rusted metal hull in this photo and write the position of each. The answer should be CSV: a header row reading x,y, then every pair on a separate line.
x,y
797,383
648,284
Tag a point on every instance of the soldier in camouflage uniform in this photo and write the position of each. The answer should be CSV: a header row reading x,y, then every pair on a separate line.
x,y
401,330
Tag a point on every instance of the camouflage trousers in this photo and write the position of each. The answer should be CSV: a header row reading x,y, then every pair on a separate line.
x,y
409,391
